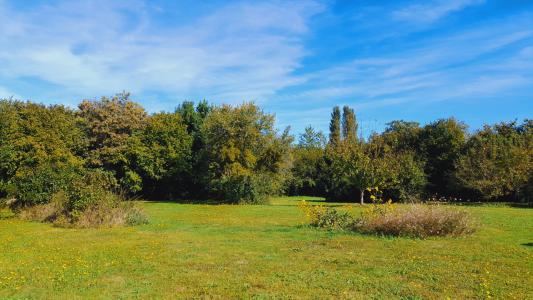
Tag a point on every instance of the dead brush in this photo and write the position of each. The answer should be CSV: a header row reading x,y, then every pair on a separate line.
x,y
418,220
110,211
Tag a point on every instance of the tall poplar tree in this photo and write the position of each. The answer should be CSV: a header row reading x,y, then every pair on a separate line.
x,y
349,124
335,127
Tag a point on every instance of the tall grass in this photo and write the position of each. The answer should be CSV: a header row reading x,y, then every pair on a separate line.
x,y
419,221
111,210
415,220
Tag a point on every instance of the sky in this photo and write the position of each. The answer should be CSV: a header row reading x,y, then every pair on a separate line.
x,y
389,60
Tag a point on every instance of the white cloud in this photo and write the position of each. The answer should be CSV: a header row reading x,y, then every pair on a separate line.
x,y
242,51
432,11
6,94
477,63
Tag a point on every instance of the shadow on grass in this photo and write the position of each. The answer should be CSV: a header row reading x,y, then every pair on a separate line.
x,y
528,244
192,201
486,204
521,205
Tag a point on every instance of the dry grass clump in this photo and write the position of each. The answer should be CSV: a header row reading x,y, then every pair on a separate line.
x,y
109,212
106,215
40,213
419,221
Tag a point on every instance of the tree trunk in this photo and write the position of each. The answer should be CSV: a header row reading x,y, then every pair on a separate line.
x,y
362,196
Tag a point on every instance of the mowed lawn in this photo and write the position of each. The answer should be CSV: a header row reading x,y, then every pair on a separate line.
x,y
263,252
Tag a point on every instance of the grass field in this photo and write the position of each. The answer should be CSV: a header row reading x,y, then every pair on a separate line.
x,y
263,252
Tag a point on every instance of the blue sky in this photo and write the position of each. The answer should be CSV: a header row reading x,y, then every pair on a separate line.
x,y
411,60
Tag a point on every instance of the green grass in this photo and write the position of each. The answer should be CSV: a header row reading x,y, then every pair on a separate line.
x,y
230,251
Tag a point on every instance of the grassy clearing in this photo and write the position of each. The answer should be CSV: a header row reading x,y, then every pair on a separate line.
x,y
230,251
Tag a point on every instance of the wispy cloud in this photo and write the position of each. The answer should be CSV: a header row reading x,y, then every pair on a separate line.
x,y
479,63
6,94
296,58
237,52
431,11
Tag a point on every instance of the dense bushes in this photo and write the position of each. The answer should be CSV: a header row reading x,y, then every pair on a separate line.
x,y
228,153
234,154
498,162
70,197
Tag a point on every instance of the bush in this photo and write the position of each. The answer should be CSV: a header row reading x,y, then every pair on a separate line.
x,y
88,189
112,210
34,186
109,214
419,221
73,198
326,217
245,189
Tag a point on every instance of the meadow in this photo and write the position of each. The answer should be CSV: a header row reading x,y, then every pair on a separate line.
x,y
263,252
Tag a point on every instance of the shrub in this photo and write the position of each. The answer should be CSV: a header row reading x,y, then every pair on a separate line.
x,y
112,210
34,186
326,217
418,221
89,188
245,189
109,214
74,198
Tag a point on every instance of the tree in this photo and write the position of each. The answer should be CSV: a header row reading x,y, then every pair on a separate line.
x,y
164,159
35,138
194,117
311,139
356,167
245,157
110,124
349,124
307,157
498,161
335,127
441,143
403,136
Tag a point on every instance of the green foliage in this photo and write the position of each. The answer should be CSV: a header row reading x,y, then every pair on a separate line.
x,y
32,135
335,127
80,187
349,124
326,217
88,188
32,186
498,162
441,143
311,139
403,136
164,158
235,154
242,149
351,171
196,179
306,175
245,189
111,124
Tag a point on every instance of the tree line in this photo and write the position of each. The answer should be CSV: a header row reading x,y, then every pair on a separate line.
x,y
235,154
